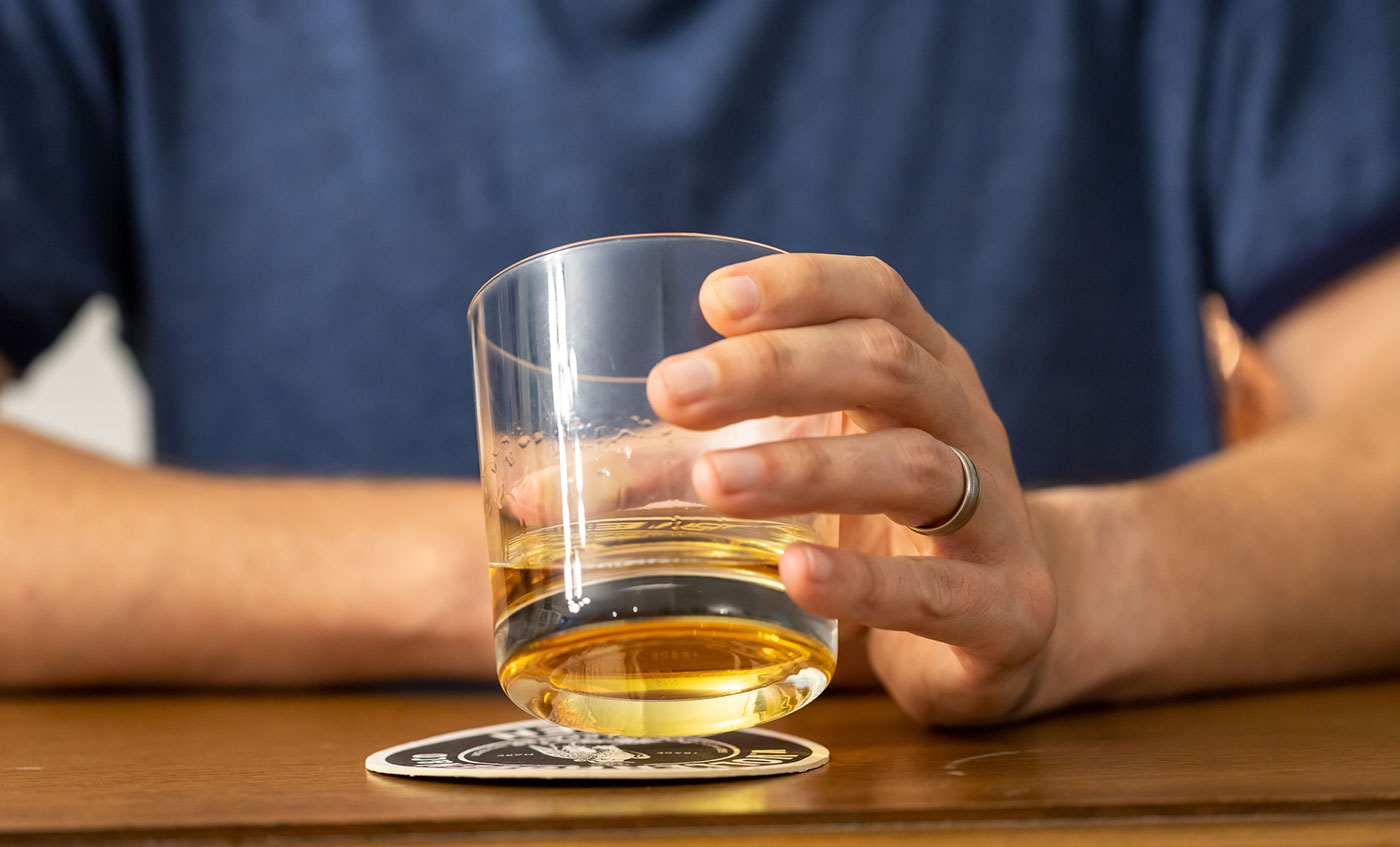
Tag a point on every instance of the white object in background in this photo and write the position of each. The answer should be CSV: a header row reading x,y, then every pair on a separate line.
x,y
86,390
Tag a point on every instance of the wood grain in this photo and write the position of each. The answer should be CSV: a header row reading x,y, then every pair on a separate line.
x,y
220,768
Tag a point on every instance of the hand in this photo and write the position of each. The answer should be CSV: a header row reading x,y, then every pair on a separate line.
x,y
960,623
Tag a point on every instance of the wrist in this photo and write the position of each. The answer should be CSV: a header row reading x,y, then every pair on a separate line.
x,y
417,599
1094,549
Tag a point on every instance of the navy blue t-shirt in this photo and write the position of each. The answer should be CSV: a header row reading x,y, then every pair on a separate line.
x,y
294,202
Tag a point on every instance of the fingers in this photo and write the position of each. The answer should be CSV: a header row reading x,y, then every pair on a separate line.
x,y
596,477
903,473
1001,618
801,289
543,498
861,364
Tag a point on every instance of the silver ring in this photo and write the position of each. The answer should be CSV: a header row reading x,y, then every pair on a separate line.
x,y
972,493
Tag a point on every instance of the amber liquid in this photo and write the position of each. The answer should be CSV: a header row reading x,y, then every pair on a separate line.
x,y
657,625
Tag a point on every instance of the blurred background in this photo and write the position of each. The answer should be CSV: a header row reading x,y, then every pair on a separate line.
x,y
86,390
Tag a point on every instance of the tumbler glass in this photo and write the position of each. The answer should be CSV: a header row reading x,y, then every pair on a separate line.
x,y
622,603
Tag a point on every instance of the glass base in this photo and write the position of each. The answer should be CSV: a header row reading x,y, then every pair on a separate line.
x,y
667,677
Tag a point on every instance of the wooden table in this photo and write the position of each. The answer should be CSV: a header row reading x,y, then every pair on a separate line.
x,y
1301,767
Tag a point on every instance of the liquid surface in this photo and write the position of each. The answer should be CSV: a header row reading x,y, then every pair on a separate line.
x,y
651,625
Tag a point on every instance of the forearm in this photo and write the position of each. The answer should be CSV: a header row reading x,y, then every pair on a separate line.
x,y
117,574
1273,562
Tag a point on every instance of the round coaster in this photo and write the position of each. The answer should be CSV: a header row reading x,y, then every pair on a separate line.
x,y
536,749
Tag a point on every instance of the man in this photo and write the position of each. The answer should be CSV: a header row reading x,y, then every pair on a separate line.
x,y
294,203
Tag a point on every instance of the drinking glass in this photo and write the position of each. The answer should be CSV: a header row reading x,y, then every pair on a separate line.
x,y
622,603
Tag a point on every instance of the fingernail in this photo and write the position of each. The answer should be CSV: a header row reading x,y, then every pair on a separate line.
x,y
738,295
736,471
689,379
818,566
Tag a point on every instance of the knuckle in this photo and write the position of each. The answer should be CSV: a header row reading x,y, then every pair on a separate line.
x,y
919,465
988,421
809,272
889,285
921,452
807,463
768,357
873,591
937,595
890,352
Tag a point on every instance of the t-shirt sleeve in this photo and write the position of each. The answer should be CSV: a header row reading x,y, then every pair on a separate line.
x,y
1300,148
63,204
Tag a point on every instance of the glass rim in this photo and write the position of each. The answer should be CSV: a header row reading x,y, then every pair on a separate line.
x,y
476,298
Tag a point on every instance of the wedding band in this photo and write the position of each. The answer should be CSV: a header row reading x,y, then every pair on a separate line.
x,y
972,493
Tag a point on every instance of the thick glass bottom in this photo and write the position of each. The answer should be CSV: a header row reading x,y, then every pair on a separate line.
x,y
688,675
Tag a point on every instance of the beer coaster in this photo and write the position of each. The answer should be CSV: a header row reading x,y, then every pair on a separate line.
x,y
536,749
